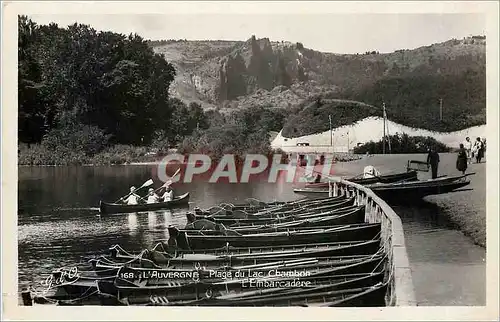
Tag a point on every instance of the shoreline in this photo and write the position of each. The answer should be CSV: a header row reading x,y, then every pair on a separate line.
x,y
465,208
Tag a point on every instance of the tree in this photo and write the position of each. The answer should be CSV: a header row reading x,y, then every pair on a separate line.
x,y
103,79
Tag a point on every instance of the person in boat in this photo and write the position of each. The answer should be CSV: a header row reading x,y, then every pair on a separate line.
x,y
318,178
462,159
370,172
168,195
468,149
152,196
133,198
433,160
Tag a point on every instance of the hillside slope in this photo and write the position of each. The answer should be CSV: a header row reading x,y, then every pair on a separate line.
x,y
371,129
259,72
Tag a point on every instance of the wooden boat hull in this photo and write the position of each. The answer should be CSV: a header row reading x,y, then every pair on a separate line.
x,y
355,216
269,212
159,252
389,178
344,213
183,240
111,208
239,291
394,193
220,271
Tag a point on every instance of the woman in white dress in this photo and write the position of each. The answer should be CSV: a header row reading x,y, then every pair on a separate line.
x,y
468,149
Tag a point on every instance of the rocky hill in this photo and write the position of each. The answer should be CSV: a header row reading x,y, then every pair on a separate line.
x,y
260,72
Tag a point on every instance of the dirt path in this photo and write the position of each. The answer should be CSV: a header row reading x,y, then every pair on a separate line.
x,y
467,208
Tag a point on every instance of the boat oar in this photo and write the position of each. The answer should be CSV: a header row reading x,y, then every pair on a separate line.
x,y
166,184
145,184
169,182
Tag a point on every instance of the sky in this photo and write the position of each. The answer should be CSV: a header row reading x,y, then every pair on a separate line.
x,y
337,33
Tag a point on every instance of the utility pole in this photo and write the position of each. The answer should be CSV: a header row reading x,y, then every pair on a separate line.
x,y
348,142
331,137
440,109
383,139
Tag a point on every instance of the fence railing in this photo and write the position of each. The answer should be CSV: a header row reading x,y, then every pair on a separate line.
x,y
400,291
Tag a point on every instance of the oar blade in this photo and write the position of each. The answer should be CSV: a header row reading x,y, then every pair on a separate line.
x,y
147,183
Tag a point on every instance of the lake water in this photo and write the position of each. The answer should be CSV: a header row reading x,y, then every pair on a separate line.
x,y
58,226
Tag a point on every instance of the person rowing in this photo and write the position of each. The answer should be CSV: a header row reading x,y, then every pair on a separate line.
x,y
168,195
152,196
133,198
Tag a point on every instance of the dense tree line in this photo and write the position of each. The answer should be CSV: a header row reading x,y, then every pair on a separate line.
x,y
77,75
314,118
415,100
101,97
412,100
401,144
238,133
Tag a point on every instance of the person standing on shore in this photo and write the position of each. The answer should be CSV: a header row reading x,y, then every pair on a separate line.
x,y
478,150
484,148
433,160
462,159
468,149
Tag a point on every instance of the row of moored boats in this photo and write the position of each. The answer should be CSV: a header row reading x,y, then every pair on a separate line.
x,y
311,252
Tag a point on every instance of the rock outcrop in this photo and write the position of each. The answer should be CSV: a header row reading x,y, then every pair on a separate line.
x,y
281,74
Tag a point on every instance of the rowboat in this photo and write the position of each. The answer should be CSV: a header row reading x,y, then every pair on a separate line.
x,y
184,240
216,271
236,289
279,219
105,266
387,178
252,204
403,191
355,215
113,208
227,211
398,192
161,251
371,296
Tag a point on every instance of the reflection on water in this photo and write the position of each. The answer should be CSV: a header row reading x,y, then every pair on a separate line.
x,y
58,226
132,223
151,220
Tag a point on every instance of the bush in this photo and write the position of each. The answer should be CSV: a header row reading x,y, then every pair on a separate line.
x,y
402,143
74,136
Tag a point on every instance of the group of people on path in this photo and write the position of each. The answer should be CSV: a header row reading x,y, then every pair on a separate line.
x,y
152,197
468,151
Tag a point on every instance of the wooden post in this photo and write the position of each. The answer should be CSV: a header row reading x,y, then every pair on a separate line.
x,y
330,193
26,296
335,189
